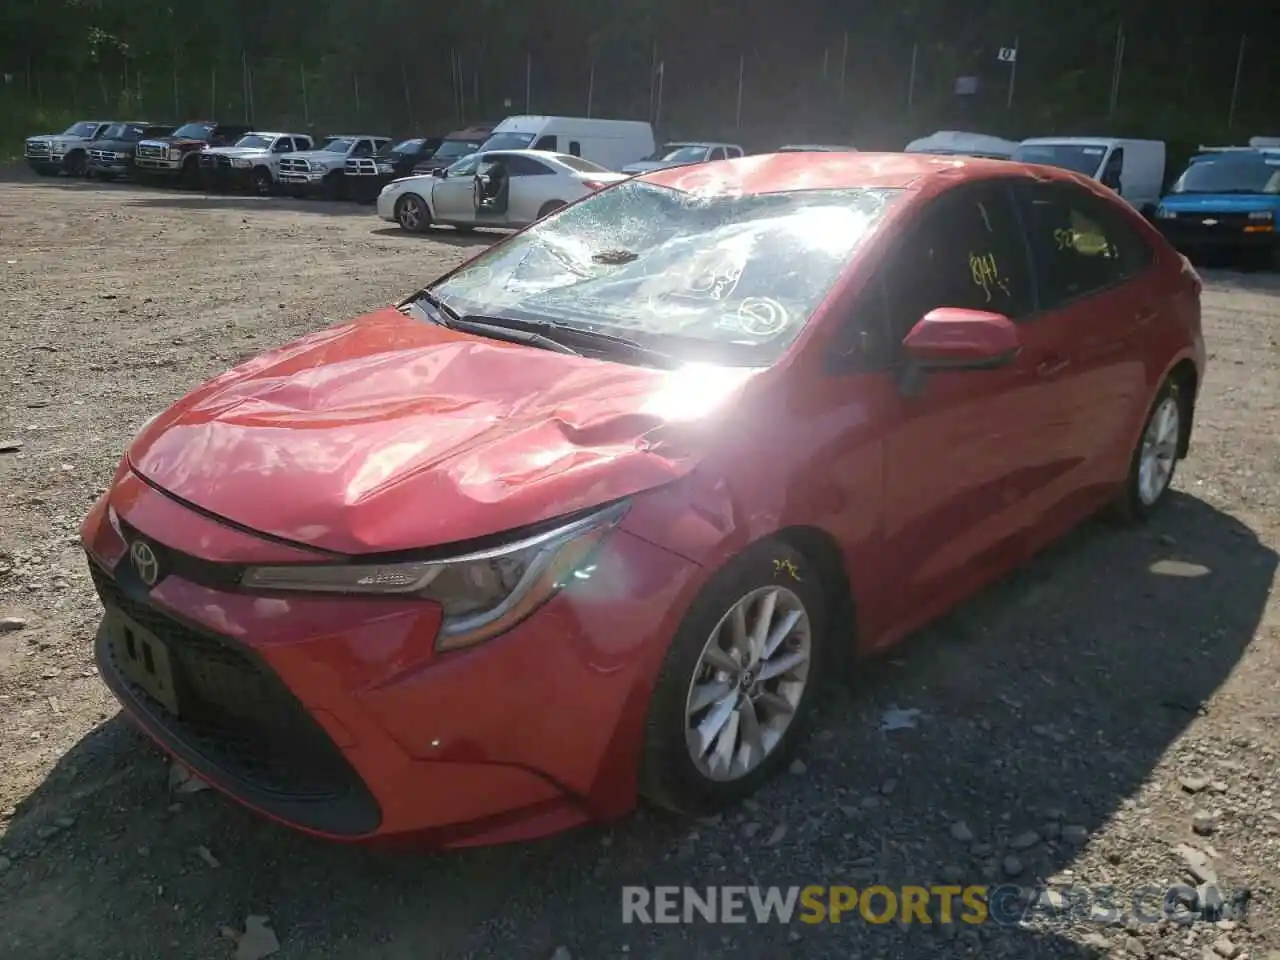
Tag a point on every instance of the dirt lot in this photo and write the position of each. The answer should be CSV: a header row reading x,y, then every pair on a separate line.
x,y
1119,698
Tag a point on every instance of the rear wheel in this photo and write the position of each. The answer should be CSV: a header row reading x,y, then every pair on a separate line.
x,y
1155,460
738,682
550,207
412,214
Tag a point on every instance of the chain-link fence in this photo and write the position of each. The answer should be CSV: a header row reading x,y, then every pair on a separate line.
x,y
853,89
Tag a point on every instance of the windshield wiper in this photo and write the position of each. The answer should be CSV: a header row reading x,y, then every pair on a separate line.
x,y
499,329
555,331
447,314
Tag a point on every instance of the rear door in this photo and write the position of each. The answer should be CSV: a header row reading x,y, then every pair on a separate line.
x,y
963,457
533,183
1099,297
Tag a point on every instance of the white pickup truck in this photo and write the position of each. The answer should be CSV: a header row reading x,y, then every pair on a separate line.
x,y
323,170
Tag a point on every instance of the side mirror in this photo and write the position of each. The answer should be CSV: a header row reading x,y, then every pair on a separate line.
x,y
441,172
949,339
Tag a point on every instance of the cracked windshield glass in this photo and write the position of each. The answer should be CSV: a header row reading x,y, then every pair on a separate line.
x,y
719,276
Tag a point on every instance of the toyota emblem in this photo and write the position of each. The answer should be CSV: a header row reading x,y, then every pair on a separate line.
x,y
145,562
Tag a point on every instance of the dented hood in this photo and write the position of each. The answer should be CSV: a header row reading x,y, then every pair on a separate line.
x,y
391,433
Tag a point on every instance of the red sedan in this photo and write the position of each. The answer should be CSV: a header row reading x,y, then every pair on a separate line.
x,y
588,518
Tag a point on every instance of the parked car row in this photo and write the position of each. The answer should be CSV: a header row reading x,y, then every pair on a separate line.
x,y
1226,200
234,156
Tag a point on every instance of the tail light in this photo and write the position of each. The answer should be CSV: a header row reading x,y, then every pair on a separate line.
x,y
593,184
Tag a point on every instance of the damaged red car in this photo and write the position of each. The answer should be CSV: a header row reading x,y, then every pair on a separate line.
x,y
589,518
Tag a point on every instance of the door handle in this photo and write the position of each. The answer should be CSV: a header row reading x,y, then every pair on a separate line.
x,y
1052,366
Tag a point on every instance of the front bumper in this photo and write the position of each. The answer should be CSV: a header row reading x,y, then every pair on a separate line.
x,y
158,165
1191,233
116,168
386,204
334,715
309,181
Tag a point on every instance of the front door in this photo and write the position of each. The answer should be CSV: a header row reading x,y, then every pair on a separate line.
x,y
453,196
962,456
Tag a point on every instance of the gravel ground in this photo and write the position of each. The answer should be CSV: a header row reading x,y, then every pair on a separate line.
x,y
1107,716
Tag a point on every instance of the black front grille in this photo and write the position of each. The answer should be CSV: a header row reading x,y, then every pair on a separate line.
x,y
239,721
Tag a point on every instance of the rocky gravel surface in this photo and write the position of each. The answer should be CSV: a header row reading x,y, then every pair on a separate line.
x,y
1097,737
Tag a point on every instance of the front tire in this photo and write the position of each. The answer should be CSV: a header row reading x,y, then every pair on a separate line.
x,y
412,214
75,163
1155,460
333,187
738,682
262,182
189,176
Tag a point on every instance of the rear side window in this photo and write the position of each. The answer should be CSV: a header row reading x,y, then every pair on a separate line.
x,y
1081,245
519,166
575,148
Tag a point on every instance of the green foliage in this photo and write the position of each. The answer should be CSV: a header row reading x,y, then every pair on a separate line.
x,y
813,69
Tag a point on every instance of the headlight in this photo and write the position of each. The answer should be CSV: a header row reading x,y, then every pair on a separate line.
x,y
120,156
241,164
386,168
1163,213
175,153
1262,215
482,594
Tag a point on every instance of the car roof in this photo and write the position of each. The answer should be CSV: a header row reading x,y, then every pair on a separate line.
x,y
782,172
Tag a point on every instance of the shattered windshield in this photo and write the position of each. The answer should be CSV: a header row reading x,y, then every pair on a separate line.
x,y
736,277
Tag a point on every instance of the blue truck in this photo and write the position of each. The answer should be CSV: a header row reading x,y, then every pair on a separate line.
x,y
1227,201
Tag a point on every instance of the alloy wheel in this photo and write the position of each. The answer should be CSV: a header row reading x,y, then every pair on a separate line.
x,y
748,683
1159,451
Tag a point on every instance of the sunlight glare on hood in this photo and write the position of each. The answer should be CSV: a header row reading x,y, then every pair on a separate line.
x,y
694,391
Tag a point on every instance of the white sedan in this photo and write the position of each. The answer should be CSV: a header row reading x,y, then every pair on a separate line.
x,y
497,188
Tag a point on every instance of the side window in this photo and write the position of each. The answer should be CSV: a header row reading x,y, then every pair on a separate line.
x,y
363,148
303,143
467,167
717,153
520,166
546,143
575,148
282,145
735,152
1080,245
1115,163
966,251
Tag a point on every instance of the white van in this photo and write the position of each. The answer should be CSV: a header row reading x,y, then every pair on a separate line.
x,y
610,143
1132,168
959,143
